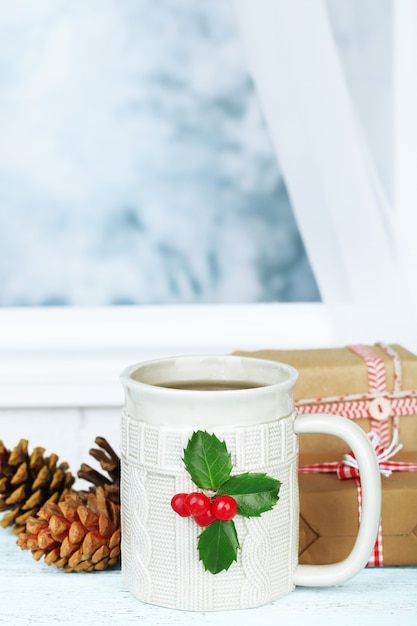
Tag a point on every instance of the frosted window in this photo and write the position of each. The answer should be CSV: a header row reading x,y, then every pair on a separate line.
x,y
134,162
135,166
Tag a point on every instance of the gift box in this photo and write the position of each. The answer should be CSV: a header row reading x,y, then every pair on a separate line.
x,y
376,387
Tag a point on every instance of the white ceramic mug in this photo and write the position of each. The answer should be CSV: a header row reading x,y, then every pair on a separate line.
x,y
259,425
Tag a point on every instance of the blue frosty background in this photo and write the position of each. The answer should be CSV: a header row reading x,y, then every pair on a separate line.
x,y
134,162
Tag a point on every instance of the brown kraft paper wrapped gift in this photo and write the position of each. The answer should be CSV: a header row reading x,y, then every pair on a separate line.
x,y
337,380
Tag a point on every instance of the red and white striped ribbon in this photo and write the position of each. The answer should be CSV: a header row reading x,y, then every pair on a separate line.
x,y
376,385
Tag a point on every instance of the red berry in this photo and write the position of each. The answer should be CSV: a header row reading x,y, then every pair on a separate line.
x,y
224,508
178,504
197,503
205,519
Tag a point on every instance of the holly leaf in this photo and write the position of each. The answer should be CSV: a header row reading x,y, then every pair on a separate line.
x,y
207,460
218,545
254,493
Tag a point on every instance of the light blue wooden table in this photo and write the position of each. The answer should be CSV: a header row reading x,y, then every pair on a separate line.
x,y
33,593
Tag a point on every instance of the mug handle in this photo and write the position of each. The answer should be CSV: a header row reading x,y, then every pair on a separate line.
x,y
355,437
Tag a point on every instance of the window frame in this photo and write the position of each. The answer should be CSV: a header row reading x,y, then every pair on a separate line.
x,y
72,357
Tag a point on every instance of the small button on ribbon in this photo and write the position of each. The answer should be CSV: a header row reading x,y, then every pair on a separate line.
x,y
380,409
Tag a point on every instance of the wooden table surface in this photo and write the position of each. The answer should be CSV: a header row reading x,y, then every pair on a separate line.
x,y
33,593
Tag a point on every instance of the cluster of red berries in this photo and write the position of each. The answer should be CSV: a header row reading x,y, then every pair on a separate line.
x,y
204,510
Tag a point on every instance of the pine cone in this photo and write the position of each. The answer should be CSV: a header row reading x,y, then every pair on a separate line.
x,y
80,533
110,463
27,481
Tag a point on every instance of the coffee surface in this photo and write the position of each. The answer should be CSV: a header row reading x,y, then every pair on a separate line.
x,y
211,385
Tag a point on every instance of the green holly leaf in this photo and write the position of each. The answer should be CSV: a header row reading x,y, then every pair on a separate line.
x,y
207,460
218,545
254,493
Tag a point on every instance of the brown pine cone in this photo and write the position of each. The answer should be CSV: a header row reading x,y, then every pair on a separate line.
x,y
27,481
80,533
110,463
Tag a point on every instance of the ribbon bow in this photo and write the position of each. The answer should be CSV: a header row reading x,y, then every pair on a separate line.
x,y
348,468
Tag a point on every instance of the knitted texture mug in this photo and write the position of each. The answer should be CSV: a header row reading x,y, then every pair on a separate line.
x,y
244,407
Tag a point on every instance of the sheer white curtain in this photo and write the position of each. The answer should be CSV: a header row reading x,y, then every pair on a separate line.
x,y
405,170
348,226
